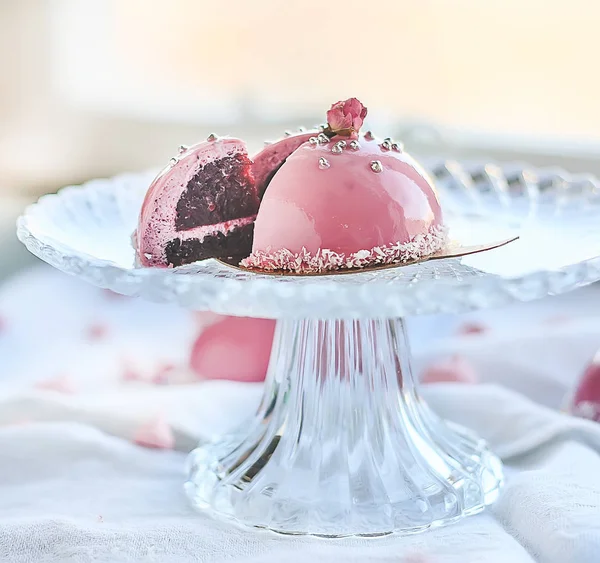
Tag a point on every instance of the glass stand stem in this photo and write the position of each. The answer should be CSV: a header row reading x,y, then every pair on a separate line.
x,y
342,444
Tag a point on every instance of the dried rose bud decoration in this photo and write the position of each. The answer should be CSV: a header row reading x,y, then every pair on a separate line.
x,y
345,118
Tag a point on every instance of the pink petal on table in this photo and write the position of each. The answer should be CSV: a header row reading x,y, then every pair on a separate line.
x,y
586,400
472,328
161,377
112,295
416,558
96,331
453,370
60,384
24,421
558,319
129,373
235,348
156,433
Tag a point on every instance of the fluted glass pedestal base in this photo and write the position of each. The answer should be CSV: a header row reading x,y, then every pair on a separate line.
x,y
342,444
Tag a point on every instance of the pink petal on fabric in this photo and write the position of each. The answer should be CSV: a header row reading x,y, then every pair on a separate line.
x,y
416,558
129,373
156,433
112,295
24,421
586,400
452,370
97,331
558,319
60,384
472,328
161,377
236,348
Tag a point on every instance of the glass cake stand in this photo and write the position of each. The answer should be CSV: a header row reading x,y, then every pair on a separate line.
x,y
342,444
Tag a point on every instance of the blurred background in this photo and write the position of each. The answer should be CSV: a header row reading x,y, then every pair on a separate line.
x,y
95,87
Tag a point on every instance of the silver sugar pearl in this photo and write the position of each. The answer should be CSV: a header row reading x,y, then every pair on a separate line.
x,y
354,145
388,139
398,147
287,133
182,148
369,136
323,163
336,149
302,129
322,138
386,146
341,143
173,160
212,137
313,141
376,166
267,143
322,127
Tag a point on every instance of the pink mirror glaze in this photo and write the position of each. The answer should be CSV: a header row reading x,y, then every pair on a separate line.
x,y
346,207
156,226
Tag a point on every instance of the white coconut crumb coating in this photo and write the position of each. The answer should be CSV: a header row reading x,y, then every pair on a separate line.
x,y
324,259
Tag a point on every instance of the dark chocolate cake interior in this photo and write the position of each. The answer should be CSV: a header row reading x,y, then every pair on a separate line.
x,y
221,191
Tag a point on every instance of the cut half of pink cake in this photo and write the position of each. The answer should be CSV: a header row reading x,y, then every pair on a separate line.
x,y
203,205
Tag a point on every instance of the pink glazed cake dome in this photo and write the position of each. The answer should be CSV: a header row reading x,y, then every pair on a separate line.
x,y
346,200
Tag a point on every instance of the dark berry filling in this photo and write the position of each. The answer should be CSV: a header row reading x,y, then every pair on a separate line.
x,y
237,242
220,191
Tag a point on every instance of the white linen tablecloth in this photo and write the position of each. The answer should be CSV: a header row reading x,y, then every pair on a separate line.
x,y
75,489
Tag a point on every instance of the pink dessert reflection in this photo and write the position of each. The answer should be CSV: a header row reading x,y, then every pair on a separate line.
x,y
235,348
